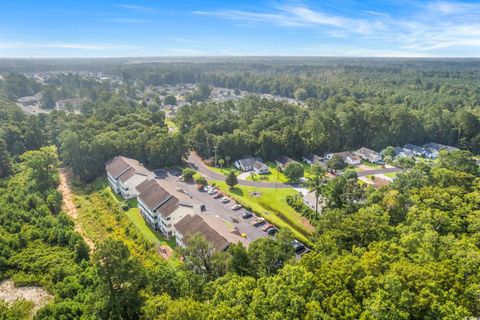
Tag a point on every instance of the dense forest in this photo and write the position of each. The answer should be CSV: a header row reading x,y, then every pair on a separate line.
x,y
409,250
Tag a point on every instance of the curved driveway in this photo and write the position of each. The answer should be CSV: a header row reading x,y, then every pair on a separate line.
x,y
196,163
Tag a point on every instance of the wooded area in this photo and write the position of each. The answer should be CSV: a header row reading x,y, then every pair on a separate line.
x,y
409,250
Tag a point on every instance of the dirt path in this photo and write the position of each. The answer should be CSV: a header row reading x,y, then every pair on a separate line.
x,y
69,205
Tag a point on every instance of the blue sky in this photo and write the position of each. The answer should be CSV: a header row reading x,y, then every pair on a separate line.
x,y
95,28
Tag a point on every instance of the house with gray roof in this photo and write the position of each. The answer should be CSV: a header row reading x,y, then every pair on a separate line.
x,y
313,159
252,164
368,155
347,156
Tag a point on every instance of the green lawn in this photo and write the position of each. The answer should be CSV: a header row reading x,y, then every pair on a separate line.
x,y
274,176
171,125
271,204
151,235
225,170
391,174
371,165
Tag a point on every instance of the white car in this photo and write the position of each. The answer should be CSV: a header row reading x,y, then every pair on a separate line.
x,y
225,200
236,206
207,188
212,191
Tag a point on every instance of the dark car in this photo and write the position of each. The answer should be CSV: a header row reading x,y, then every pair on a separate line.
x,y
247,215
272,231
298,246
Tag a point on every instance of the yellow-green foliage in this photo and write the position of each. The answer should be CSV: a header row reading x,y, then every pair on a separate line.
x,y
271,204
101,217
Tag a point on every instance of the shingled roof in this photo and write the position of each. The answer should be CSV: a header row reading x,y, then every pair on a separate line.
x,y
153,196
124,168
190,225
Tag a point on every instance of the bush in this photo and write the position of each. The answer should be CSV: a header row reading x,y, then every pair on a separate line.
x,y
296,202
201,181
188,173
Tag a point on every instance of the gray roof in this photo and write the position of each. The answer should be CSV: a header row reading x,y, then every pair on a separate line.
x,y
123,168
367,153
190,225
153,196
284,160
260,165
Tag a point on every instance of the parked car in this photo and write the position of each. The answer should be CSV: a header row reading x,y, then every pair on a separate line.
x,y
257,222
247,215
236,206
212,191
208,188
298,246
225,200
268,226
272,231
217,195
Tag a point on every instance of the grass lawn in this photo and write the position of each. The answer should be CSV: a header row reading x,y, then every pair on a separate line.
x,y
225,170
371,165
151,235
271,204
171,125
391,174
273,176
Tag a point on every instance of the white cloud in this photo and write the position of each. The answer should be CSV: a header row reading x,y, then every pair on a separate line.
x,y
137,8
429,27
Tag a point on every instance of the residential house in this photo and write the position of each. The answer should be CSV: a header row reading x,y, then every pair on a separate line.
x,y
125,174
417,150
74,102
313,159
309,200
368,155
161,209
31,100
212,229
284,161
434,148
402,152
252,164
347,156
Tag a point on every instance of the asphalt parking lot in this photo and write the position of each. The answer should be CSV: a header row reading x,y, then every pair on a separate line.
x,y
215,207
223,211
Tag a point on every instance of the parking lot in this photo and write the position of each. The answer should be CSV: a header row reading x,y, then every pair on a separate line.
x,y
225,212
215,207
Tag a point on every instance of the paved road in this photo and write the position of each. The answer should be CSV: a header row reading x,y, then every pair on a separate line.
x,y
196,163
378,171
